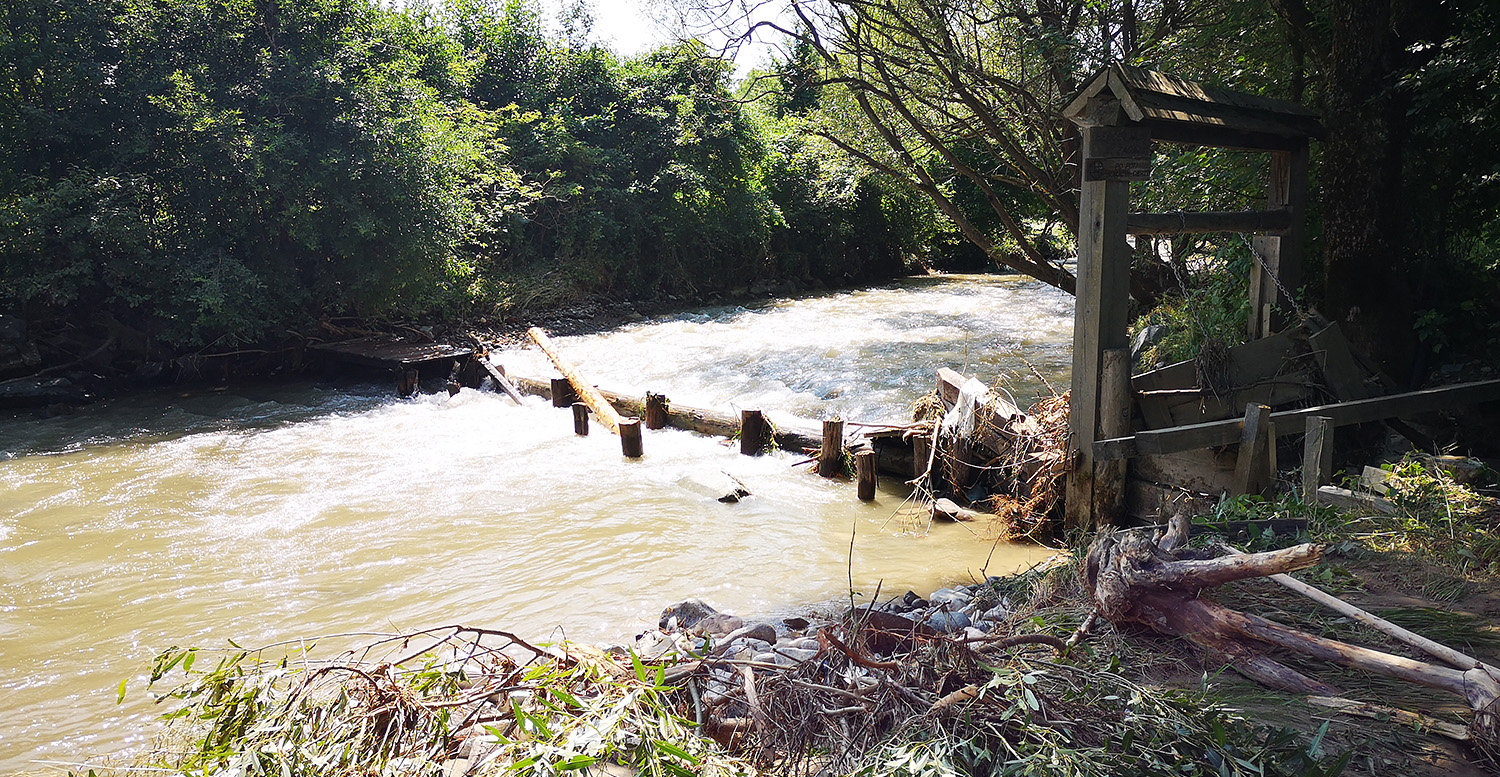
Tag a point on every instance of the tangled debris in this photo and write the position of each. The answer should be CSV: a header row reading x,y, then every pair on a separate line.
x,y
869,692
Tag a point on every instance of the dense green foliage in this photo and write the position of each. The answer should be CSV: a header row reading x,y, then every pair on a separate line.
x,y
208,172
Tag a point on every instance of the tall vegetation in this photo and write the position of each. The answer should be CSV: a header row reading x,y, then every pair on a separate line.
x,y
202,173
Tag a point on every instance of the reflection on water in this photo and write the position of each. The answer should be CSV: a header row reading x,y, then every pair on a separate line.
x,y
296,510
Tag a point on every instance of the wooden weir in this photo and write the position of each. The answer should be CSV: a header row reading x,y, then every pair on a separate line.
x,y
1286,363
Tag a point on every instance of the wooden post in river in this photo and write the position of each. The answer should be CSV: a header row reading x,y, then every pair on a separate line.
x,y
655,413
864,467
580,419
752,432
831,456
562,393
630,437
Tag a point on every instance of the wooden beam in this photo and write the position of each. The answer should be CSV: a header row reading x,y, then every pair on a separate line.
x,y
1274,221
1114,421
1100,318
1215,433
585,390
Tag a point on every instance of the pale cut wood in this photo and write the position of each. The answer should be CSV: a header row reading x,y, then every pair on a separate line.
x,y
502,381
1206,573
949,510
1317,456
585,390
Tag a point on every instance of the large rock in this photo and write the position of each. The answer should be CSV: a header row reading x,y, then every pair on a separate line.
x,y
698,617
715,485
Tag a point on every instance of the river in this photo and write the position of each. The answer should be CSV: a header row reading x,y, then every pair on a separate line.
x,y
296,509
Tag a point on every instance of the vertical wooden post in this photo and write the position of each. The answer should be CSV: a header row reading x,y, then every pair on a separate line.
x,y
921,451
1281,254
580,419
562,393
752,432
1100,322
1251,467
407,382
1317,456
864,468
1114,421
630,437
656,411
831,457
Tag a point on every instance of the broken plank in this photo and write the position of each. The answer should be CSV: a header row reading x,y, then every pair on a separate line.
x,y
501,381
1344,499
390,352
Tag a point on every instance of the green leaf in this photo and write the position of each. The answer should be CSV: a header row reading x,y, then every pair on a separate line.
x,y
121,697
671,749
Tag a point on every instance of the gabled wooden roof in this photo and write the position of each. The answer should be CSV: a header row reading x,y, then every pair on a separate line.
x,y
1185,111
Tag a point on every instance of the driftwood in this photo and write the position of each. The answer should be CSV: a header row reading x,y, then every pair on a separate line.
x,y
585,390
502,382
1134,579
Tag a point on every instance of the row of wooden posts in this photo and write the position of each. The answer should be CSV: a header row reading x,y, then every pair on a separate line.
x,y
755,433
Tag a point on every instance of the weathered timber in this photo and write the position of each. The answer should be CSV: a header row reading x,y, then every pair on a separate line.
x,y
1317,456
996,420
630,437
1416,721
752,432
864,468
921,455
1205,472
1279,255
390,352
1341,370
1114,421
580,419
692,419
585,390
502,381
1251,470
831,450
655,414
1215,433
1203,222
1344,499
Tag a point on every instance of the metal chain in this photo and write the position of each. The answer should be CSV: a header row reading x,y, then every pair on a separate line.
x,y
1260,262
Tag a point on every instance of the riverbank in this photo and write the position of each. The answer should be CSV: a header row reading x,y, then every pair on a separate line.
x,y
54,371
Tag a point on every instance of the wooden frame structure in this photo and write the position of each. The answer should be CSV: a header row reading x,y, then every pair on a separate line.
x,y
1121,112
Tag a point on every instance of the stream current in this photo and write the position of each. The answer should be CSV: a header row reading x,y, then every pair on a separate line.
x,y
271,512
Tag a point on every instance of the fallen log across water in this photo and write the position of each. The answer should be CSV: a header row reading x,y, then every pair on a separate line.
x,y
1160,584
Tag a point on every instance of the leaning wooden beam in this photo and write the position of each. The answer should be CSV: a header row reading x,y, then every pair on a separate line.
x,y
692,419
1214,433
1272,222
585,390
502,382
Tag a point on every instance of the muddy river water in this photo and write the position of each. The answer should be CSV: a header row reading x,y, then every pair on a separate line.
x,y
262,513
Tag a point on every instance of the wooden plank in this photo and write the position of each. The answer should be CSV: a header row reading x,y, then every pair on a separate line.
x,y
1221,137
1344,499
1274,221
1247,363
1156,503
1342,373
1251,473
501,381
1120,143
1139,79
390,352
1214,433
1112,169
1317,456
1276,392
1205,471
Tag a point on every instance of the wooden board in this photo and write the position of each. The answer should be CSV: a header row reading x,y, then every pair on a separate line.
x,y
390,352
1206,472
1168,396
